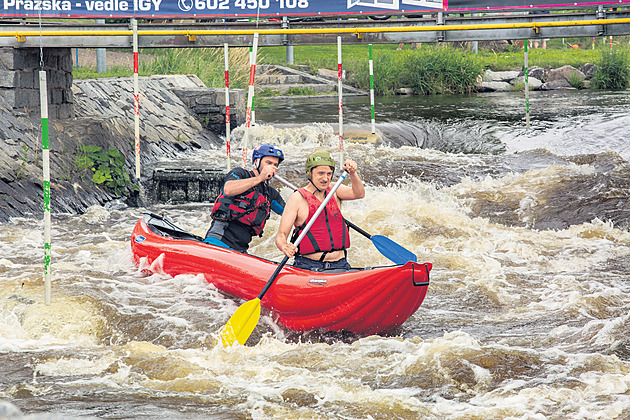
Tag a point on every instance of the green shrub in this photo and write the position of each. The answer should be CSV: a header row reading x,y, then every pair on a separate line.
x,y
301,91
387,73
430,70
519,85
108,167
576,80
613,71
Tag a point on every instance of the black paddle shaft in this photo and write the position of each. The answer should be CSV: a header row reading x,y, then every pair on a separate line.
x,y
352,225
304,232
357,228
273,277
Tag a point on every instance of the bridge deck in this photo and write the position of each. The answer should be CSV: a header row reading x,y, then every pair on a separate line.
x,y
436,28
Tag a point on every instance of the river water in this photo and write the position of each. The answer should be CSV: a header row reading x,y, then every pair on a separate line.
x,y
527,315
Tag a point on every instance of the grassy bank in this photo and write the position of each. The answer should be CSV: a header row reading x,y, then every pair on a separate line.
x,y
429,69
206,63
442,68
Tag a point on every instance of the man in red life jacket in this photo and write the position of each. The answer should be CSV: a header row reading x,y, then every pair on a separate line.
x,y
325,244
243,208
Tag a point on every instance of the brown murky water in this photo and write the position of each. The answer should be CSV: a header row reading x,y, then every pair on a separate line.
x,y
527,315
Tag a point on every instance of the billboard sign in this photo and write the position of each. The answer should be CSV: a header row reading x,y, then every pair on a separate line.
x,y
263,8
211,8
488,5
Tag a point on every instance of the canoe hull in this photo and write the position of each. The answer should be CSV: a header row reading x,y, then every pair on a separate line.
x,y
369,301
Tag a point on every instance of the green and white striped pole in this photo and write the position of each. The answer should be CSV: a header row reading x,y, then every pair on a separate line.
x,y
526,85
372,90
43,99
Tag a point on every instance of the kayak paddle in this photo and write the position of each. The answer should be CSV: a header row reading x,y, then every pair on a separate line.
x,y
390,249
242,323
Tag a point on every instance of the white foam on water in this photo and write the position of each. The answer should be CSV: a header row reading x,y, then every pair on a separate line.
x,y
584,135
517,323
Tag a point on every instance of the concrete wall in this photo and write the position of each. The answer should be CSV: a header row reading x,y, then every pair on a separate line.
x,y
170,128
209,106
19,80
19,87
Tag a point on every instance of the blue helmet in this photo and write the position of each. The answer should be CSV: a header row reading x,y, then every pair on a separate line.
x,y
266,149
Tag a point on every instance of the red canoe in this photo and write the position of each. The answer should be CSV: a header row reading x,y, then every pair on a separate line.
x,y
363,301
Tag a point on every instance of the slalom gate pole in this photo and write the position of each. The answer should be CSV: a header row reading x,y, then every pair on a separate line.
x,y
340,91
253,110
253,97
43,104
227,105
526,86
136,96
250,96
43,98
372,89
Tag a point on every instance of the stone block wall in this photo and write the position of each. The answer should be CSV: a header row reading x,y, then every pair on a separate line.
x,y
209,106
19,80
185,184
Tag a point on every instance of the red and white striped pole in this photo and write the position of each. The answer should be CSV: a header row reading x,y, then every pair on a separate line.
x,y
339,89
250,96
227,105
253,97
136,96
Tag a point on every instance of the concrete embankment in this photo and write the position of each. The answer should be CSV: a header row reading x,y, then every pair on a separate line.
x,y
177,116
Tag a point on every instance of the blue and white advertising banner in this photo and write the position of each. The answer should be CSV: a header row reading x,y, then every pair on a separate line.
x,y
212,8
489,5
235,9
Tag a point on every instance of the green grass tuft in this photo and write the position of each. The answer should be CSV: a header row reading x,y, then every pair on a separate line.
x,y
614,70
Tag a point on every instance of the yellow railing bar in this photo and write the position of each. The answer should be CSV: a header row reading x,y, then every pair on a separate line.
x,y
355,30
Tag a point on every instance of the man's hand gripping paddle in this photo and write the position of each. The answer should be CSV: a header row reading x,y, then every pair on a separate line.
x,y
241,325
390,249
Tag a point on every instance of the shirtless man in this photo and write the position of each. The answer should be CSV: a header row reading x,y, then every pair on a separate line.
x,y
325,246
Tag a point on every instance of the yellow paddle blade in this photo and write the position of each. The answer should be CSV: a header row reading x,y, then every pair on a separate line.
x,y
240,325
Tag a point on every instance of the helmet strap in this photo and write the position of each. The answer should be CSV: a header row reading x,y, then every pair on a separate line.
x,y
311,181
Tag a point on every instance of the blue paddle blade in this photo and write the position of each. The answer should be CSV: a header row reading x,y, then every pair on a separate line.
x,y
394,252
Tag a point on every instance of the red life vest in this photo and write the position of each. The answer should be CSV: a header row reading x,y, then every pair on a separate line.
x,y
328,233
251,209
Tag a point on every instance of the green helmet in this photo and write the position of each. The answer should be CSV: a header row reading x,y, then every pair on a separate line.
x,y
318,158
